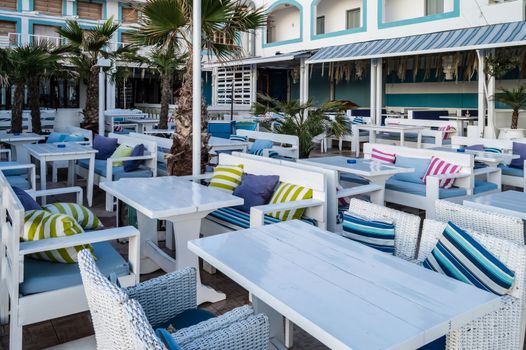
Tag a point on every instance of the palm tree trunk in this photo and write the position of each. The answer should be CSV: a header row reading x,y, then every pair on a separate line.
x,y
180,159
91,112
34,104
515,119
18,106
166,91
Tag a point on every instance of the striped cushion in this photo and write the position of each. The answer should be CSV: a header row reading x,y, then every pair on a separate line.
x,y
84,216
375,234
236,219
458,255
273,154
357,121
492,150
439,167
41,224
383,157
289,193
227,177
446,130
342,201
238,138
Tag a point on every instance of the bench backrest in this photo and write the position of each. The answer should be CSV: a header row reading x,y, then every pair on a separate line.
x,y
427,115
505,145
421,122
88,135
150,147
294,175
279,139
163,145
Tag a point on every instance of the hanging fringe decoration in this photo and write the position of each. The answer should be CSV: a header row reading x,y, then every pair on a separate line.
x,y
415,68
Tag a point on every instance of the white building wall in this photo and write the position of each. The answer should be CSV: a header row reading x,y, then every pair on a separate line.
x,y
335,13
395,10
286,23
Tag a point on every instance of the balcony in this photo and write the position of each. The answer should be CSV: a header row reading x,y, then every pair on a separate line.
x,y
284,24
337,17
401,12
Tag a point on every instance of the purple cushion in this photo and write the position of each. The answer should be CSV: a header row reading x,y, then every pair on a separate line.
x,y
519,149
131,165
475,147
255,190
27,201
105,146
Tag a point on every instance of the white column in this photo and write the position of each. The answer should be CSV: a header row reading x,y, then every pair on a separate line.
x,y
196,81
304,81
373,92
490,129
481,92
102,98
110,93
253,84
379,90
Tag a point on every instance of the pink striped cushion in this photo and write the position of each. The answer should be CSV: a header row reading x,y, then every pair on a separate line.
x,y
445,131
382,156
438,167
343,201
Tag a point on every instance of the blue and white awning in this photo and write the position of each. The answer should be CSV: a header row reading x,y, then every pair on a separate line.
x,y
485,37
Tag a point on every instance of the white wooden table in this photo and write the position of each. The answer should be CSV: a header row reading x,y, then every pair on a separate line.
x,y
221,144
18,141
144,123
488,158
50,152
373,129
376,173
343,293
165,132
184,204
508,202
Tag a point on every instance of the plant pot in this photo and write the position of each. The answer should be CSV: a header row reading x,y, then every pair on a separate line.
x,y
508,133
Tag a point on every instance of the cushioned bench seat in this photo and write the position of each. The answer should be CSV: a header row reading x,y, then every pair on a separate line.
x,y
118,171
43,276
420,189
410,137
236,219
19,181
11,172
507,170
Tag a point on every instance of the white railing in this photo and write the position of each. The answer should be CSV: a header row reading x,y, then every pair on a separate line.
x,y
15,39
4,41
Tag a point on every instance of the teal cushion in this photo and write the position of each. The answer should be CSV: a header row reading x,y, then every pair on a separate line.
x,y
419,164
483,186
74,138
19,181
353,178
11,172
375,234
507,170
118,171
56,137
43,276
420,189
259,145
187,318
458,255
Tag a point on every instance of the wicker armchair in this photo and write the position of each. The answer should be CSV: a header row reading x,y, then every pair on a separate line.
x,y
503,329
125,319
407,226
494,224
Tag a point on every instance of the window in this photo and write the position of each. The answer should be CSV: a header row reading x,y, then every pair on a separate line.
x,y
222,38
353,19
48,7
54,93
434,7
89,10
239,91
8,32
270,30
8,5
320,25
130,15
43,33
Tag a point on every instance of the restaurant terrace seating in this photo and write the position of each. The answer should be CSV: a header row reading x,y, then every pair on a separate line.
x,y
276,145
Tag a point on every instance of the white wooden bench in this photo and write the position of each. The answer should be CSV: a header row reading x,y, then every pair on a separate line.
x,y
423,196
164,145
72,130
430,138
348,137
284,145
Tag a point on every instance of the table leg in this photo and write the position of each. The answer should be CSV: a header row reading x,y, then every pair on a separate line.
x,y
281,329
356,142
419,139
378,197
152,258
71,173
21,154
402,138
89,184
43,173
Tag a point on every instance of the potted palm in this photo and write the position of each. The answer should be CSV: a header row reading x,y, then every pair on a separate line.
x,y
516,99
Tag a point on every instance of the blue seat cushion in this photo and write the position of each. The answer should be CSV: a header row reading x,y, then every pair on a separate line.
x,y
353,178
438,344
74,138
43,276
19,181
161,165
187,318
237,219
118,171
420,189
411,137
419,164
56,137
510,171
11,172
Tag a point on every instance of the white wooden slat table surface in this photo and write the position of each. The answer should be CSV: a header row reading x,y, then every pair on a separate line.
x,y
508,202
343,293
17,141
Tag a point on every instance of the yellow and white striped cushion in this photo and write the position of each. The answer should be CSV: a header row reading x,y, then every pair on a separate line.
x,y
289,193
84,216
227,177
41,224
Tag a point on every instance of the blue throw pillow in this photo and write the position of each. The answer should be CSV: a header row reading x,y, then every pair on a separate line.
x,y
255,190
419,164
259,145
475,148
27,201
519,149
460,256
375,234
131,165
74,138
105,146
55,137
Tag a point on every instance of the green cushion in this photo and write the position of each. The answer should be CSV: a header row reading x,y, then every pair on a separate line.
x,y
227,177
120,152
289,193
84,216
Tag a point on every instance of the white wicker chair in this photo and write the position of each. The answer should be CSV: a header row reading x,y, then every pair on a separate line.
x,y
495,224
503,329
407,226
123,318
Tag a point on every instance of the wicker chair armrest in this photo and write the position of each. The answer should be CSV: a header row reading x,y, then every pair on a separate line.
x,y
165,297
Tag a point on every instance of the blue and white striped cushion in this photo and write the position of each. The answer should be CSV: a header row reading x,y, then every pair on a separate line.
x,y
238,138
357,121
458,255
375,234
492,150
273,154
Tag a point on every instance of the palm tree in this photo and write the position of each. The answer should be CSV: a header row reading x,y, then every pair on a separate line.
x,y
167,25
516,99
88,47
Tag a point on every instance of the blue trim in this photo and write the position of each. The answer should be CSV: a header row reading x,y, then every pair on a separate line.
x,y
283,42
19,5
64,7
423,19
313,15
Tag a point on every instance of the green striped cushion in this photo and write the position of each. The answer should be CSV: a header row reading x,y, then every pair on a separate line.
x,y
289,193
458,255
84,217
227,177
41,224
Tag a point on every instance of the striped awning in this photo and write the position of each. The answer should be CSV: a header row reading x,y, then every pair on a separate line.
x,y
485,37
